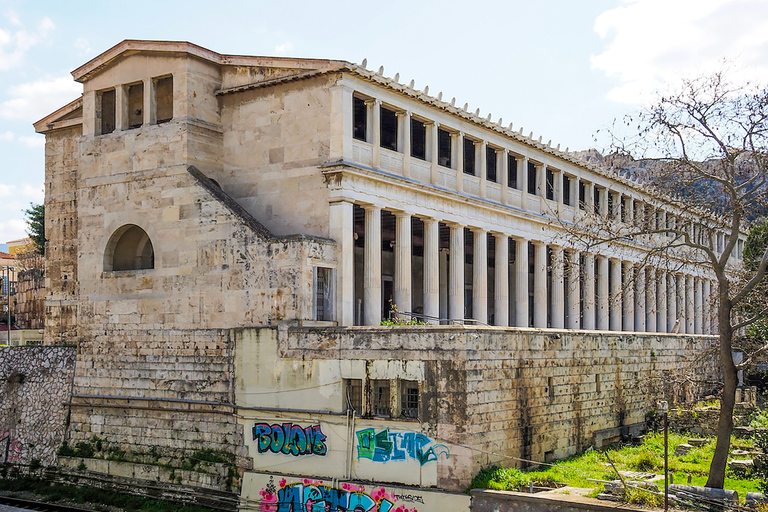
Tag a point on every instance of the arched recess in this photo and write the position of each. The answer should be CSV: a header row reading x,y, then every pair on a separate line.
x,y
129,248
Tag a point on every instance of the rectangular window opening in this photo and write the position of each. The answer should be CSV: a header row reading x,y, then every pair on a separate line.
x,y
469,156
531,178
388,122
610,204
512,171
596,199
444,148
567,190
359,119
410,398
323,297
550,184
418,139
582,195
164,99
381,405
135,105
353,395
107,111
490,164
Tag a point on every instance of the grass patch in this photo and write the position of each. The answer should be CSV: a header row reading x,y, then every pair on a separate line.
x,y
647,458
57,492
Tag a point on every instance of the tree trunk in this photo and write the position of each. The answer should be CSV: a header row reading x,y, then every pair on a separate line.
x,y
725,421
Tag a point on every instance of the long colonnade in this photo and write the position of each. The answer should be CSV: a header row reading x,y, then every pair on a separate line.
x,y
542,285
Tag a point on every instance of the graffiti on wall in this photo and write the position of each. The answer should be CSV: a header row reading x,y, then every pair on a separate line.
x,y
385,446
10,447
315,496
289,439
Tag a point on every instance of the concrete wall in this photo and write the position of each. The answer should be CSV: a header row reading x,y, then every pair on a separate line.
x,y
35,384
505,501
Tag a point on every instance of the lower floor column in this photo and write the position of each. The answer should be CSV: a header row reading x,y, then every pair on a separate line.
x,y
661,301
603,316
697,306
558,302
672,302
650,299
707,328
521,282
640,299
573,294
456,288
501,280
690,306
681,308
372,267
588,321
539,285
480,276
615,300
628,285
342,229
403,275
431,269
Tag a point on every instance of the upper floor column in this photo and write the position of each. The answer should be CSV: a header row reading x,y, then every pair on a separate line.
x,y
501,280
404,133
521,283
558,288
341,222
372,266
539,284
456,273
629,296
480,276
375,108
402,288
431,268
434,151
457,147
615,295
603,315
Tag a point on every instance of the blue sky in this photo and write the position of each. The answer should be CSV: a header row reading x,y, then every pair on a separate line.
x,y
562,69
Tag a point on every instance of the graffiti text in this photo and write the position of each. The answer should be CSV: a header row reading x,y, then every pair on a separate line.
x,y
289,439
385,446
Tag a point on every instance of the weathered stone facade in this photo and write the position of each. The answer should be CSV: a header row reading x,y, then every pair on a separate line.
x,y
35,385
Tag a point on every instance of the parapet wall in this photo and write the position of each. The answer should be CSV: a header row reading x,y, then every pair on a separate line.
x,y
35,384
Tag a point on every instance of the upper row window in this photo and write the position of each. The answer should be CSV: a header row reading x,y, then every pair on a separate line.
x,y
131,106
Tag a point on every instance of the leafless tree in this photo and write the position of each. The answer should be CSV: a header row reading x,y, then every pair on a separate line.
x,y
702,152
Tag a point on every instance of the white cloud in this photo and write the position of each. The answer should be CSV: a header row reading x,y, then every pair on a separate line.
x,y
13,229
24,193
284,49
15,43
34,100
656,42
83,47
32,141
7,136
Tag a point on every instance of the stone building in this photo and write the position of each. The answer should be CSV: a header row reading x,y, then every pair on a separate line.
x,y
228,232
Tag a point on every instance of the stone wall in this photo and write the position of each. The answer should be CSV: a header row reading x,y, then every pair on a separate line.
x,y
35,384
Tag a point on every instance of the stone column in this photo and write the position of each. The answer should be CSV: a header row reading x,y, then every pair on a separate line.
x,y
603,315
698,306
480,276
661,301
588,322
558,288
690,310
650,299
671,301
615,295
504,170
501,280
121,108
434,146
539,285
640,299
372,266
403,252
707,291
376,135
457,155
431,268
629,296
341,222
444,281
681,308
482,169
404,119
456,286
149,114
522,180
521,282
574,291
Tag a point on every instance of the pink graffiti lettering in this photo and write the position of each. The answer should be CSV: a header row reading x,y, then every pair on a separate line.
x,y
312,495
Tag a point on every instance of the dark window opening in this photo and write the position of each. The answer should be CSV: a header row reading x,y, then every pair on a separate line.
x,y
164,99
596,199
135,105
623,208
410,399
490,164
582,195
107,112
550,184
469,156
323,299
610,204
129,249
359,119
531,178
388,122
443,148
567,190
381,406
511,171
353,395
418,139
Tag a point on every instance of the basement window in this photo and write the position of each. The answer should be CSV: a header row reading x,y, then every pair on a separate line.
x,y
490,164
353,395
531,178
164,99
418,139
388,122
323,296
409,398
359,119
512,171
106,113
380,398
135,105
444,148
469,156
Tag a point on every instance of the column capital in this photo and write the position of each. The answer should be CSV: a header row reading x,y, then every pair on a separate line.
x,y
499,234
452,224
400,213
476,229
370,206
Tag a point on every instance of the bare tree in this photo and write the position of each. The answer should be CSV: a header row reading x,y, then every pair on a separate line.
x,y
702,152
